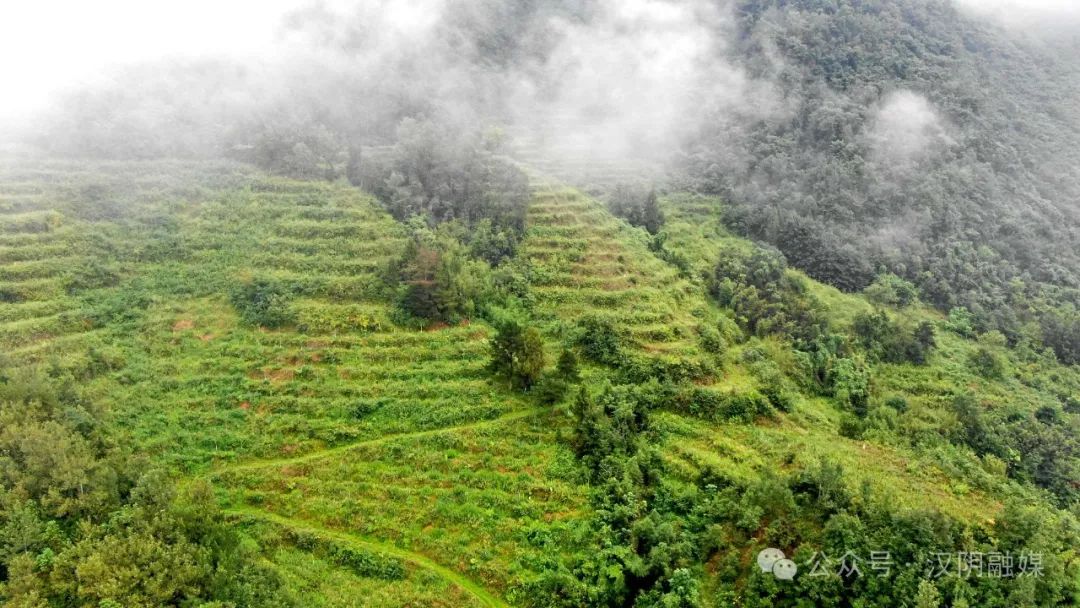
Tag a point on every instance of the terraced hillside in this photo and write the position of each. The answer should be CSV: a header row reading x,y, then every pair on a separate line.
x,y
370,464
341,423
586,262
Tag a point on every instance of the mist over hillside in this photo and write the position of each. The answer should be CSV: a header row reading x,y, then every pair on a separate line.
x,y
542,303
935,140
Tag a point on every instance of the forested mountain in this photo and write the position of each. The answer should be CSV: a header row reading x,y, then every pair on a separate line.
x,y
917,139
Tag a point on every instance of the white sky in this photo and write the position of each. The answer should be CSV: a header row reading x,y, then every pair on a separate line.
x,y
49,45
1054,17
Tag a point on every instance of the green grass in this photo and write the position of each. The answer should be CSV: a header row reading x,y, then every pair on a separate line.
x,y
404,425
597,263
480,596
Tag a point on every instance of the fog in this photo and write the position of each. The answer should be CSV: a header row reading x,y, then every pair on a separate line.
x,y
1053,14
632,79
53,45
906,129
605,79
570,78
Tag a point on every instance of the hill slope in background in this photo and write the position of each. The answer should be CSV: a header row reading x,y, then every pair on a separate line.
x,y
908,135
370,463
916,138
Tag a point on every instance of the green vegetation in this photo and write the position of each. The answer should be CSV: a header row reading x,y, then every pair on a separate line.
x,y
883,158
271,392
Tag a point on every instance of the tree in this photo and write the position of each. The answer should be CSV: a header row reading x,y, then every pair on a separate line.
x,y
263,302
567,366
600,339
445,173
987,363
1061,332
438,281
554,387
638,206
974,429
891,290
517,352
652,219
927,596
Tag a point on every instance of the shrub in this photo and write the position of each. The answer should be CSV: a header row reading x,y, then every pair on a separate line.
x,y
636,369
263,302
885,339
601,340
711,340
891,290
897,403
744,407
91,274
975,430
550,390
567,367
851,427
365,564
850,382
517,352
961,322
986,363
773,384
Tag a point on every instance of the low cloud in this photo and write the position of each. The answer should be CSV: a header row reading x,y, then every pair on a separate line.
x,y
1056,16
634,79
905,130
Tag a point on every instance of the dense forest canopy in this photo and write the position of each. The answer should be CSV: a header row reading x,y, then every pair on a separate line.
x,y
918,139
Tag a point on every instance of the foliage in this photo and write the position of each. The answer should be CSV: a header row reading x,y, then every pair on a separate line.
x,y
295,146
554,387
444,173
517,352
638,206
960,321
601,340
765,298
82,523
829,184
690,443
986,363
1061,332
891,290
263,302
887,340
439,281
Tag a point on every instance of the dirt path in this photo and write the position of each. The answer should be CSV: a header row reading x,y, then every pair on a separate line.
x,y
485,597
320,454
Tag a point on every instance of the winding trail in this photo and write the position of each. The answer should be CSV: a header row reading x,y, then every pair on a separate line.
x,y
341,449
482,595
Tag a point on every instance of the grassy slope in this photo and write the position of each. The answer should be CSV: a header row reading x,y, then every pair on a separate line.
x,y
957,484
345,425
193,389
